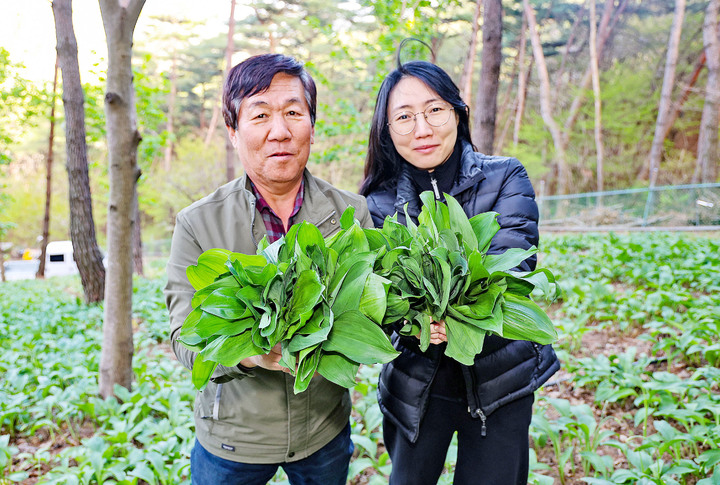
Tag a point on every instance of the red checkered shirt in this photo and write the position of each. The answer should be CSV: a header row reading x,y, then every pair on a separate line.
x,y
273,223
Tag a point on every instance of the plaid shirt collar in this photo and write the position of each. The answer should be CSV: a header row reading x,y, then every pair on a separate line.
x,y
273,223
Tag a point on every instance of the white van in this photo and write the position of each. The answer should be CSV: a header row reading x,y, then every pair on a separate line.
x,y
59,259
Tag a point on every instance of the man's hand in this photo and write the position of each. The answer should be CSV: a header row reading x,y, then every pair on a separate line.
x,y
267,361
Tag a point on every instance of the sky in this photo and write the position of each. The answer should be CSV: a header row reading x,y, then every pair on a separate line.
x,y
27,30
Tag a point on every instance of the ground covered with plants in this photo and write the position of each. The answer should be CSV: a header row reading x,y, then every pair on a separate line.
x,y
637,399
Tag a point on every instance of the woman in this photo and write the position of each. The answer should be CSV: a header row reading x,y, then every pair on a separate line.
x,y
420,140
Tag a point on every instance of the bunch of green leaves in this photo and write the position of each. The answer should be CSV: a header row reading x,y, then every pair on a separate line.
x,y
319,299
442,269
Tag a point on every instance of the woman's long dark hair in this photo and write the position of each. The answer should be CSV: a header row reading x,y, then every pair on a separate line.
x,y
383,162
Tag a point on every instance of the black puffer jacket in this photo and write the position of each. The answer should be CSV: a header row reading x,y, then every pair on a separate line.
x,y
506,369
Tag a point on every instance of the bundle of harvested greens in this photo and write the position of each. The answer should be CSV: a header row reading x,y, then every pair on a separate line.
x,y
318,298
329,302
441,268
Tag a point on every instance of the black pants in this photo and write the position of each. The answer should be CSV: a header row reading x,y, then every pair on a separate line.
x,y
499,458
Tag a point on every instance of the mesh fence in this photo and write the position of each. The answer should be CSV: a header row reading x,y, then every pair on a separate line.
x,y
678,206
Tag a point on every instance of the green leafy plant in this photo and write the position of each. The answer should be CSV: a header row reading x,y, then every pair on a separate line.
x,y
442,269
317,298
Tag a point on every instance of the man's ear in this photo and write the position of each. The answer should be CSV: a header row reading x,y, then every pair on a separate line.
x,y
231,134
312,135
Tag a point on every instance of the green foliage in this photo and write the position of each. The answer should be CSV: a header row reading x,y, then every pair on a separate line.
x,y
440,270
660,289
643,424
20,103
49,391
317,298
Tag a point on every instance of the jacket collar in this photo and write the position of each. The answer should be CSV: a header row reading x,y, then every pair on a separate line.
x,y
316,207
469,175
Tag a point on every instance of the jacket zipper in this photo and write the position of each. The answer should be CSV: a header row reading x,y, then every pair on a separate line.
x,y
473,400
433,181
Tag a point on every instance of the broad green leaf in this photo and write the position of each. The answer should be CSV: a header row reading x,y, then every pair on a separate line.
x,y
376,239
357,337
251,296
508,260
476,268
223,303
460,223
189,326
524,320
423,320
411,226
347,285
287,251
464,341
437,211
397,308
192,342
308,361
349,242
348,217
485,303
300,341
448,240
485,226
210,325
246,260
373,301
202,371
338,369
210,265
229,351
442,276
202,293
270,251
306,294
309,235
397,234
541,280
260,275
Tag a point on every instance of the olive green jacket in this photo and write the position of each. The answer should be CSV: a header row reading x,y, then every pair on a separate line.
x,y
254,416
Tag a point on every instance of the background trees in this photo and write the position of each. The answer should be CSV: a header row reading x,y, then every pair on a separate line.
x,y
349,47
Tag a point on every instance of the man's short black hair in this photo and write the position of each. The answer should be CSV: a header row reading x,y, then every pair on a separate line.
x,y
254,75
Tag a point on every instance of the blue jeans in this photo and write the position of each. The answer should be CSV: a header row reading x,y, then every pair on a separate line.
x,y
327,466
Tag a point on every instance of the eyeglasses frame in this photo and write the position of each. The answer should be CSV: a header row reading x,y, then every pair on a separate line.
x,y
452,108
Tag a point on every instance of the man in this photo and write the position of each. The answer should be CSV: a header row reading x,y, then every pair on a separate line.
x,y
248,420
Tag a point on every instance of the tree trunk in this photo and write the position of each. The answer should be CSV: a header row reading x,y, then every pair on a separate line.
x,y
523,77
605,29
563,172
707,160
571,38
687,89
598,102
82,226
507,109
486,98
656,150
229,148
48,177
138,266
171,113
230,47
123,139
469,66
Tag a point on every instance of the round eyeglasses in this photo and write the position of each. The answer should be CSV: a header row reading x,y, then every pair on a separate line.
x,y
437,114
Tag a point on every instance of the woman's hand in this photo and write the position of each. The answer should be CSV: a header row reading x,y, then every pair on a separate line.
x,y
438,334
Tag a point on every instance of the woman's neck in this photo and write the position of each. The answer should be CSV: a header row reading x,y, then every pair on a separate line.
x,y
441,178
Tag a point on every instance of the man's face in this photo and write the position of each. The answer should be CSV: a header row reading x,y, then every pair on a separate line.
x,y
274,134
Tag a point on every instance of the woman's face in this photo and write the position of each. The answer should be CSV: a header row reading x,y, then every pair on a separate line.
x,y
427,146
